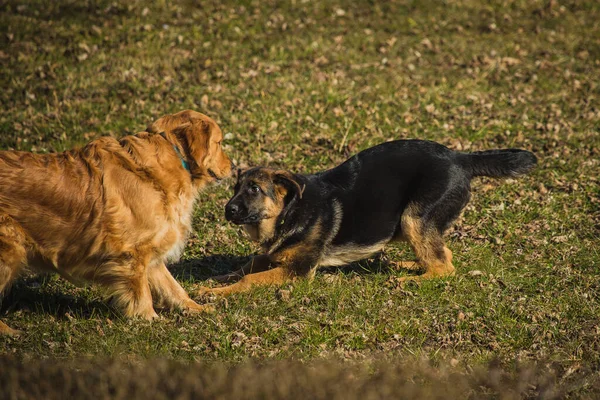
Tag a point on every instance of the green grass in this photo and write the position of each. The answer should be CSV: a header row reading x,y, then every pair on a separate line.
x,y
303,85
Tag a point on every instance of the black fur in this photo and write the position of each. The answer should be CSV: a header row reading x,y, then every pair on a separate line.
x,y
498,163
375,188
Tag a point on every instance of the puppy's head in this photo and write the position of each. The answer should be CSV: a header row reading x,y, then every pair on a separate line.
x,y
199,139
261,196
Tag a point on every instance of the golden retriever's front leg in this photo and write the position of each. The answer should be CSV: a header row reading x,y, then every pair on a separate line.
x,y
275,276
167,292
257,264
127,282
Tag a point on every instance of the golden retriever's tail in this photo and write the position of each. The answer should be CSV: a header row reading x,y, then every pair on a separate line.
x,y
498,163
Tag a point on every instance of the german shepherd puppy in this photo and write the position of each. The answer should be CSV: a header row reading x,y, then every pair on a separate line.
x,y
402,190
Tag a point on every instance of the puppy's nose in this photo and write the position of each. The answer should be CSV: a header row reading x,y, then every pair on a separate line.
x,y
233,209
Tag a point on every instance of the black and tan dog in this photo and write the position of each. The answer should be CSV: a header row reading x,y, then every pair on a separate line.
x,y
403,190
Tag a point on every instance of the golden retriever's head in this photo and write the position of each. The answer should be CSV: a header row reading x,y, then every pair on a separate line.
x,y
199,139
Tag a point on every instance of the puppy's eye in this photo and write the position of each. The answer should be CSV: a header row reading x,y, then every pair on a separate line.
x,y
254,189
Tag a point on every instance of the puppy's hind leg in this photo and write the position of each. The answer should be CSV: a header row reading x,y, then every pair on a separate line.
x,y
167,292
13,257
424,222
427,243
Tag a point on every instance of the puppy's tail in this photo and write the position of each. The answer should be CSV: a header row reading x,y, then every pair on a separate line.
x,y
498,163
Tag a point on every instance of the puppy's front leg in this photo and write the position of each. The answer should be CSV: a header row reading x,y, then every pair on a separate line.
x,y
275,276
289,263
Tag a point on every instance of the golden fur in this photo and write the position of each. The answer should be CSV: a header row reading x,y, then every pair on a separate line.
x,y
113,212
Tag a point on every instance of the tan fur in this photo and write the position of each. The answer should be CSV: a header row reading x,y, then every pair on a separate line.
x,y
275,276
287,264
112,212
433,255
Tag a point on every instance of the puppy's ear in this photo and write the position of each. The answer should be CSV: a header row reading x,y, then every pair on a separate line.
x,y
289,182
240,172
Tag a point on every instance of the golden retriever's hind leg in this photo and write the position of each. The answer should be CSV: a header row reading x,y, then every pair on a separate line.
x,y
275,276
167,292
13,257
434,257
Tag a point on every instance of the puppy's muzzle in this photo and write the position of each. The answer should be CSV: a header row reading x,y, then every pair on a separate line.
x,y
232,211
235,213
238,214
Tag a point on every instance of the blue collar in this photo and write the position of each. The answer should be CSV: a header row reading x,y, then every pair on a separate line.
x,y
184,163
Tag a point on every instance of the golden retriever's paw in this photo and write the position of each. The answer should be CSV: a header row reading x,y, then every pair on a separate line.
x,y
147,315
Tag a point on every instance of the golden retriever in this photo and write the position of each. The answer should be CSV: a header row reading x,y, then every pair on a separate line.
x,y
113,212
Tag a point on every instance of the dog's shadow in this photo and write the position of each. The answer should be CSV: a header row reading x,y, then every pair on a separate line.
x,y
200,269
218,264
38,294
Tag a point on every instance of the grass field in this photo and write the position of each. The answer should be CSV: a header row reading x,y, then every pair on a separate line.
x,y
303,85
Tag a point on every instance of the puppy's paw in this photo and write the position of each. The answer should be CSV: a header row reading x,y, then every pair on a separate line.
x,y
194,308
202,291
207,292
409,265
11,332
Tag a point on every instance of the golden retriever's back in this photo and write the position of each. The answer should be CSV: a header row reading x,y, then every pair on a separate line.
x,y
45,194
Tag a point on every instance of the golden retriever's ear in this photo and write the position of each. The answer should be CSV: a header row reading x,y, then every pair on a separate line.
x,y
159,125
196,137
170,122
288,181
